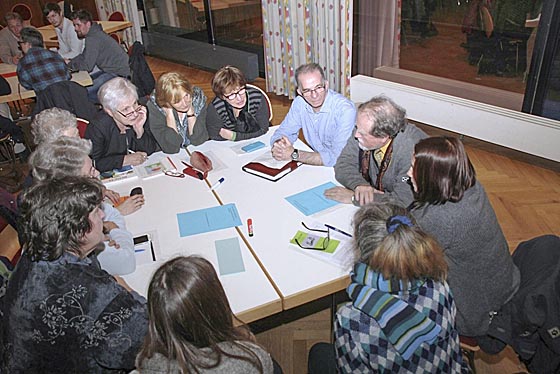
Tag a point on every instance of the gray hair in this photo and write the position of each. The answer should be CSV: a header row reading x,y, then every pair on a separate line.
x,y
62,157
309,68
51,124
115,92
11,16
385,115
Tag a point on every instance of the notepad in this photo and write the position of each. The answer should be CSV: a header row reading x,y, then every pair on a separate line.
x,y
230,259
208,219
313,200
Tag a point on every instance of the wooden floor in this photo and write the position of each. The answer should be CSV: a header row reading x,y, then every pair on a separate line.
x,y
524,191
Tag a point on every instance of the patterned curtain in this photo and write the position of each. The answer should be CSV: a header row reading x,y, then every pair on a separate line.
x,y
297,32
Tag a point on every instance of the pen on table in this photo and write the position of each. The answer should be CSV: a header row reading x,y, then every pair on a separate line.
x,y
171,162
130,151
337,230
217,184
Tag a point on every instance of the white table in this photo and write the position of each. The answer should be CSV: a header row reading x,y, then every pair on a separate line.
x,y
250,293
298,277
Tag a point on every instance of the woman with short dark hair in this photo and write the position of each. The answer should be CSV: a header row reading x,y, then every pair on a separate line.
x,y
452,205
401,317
191,328
237,112
61,313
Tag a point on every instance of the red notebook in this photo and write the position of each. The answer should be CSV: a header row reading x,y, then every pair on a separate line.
x,y
270,173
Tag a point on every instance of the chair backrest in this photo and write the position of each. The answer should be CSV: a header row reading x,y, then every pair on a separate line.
x,y
116,16
270,116
82,126
116,37
23,10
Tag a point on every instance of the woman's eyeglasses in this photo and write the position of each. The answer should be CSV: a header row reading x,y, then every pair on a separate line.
x,y
325,243
234,94
137,110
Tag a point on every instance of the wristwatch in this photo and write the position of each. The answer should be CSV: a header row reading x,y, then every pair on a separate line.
x,y
295,155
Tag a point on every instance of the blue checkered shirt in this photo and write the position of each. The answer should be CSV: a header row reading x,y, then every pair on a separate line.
x,y
40,68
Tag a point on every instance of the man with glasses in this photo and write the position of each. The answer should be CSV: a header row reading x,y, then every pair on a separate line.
x,y
377,157
9,37
325,116
120,134
69,45
102,56
39,67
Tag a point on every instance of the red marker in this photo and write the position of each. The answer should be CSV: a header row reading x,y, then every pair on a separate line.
x,y
250,226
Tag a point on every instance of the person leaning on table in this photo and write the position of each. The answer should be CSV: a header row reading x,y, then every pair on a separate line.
x,y
177,113
237,112
120,133
376,157
61,313
69,156
325,117
450,204
401,314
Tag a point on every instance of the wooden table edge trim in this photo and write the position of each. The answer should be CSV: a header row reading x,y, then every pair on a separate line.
x,y
315,293
260,312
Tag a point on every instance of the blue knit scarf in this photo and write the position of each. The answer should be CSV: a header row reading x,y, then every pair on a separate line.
x,y
404,326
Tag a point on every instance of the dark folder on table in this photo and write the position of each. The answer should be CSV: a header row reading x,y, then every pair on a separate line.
x,y
268,172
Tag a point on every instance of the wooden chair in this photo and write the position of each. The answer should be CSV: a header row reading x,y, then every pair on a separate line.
x,y
82,126
116,16
469,347
267,100
8,156
25,12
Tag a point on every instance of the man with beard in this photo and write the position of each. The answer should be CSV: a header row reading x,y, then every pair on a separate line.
x,y
325,116
102,57
376,159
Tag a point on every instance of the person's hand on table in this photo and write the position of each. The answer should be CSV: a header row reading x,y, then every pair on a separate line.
x,y
340,194
226,134
282,149
131,205
113,196
135,158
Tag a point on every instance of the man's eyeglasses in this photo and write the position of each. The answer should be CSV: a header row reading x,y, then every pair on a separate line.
x,y
234,94
138,109
309,91
325,243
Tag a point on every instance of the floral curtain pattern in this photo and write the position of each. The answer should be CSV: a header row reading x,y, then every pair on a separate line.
x,y
297,32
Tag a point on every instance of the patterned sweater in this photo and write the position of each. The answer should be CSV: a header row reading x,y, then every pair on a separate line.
x,y
362,346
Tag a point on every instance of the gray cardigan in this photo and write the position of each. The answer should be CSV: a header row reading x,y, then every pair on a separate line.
x,y
395,180
482,275
158,364
168,139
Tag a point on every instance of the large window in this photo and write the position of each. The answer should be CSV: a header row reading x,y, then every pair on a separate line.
x,y
229,23
483,42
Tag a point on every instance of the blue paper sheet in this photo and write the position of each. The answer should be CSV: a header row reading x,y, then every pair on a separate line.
x,y
230,260
209,219
313,200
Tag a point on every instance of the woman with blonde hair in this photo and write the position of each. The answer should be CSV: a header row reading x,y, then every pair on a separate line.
x,y
191,325
401,317
177,113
